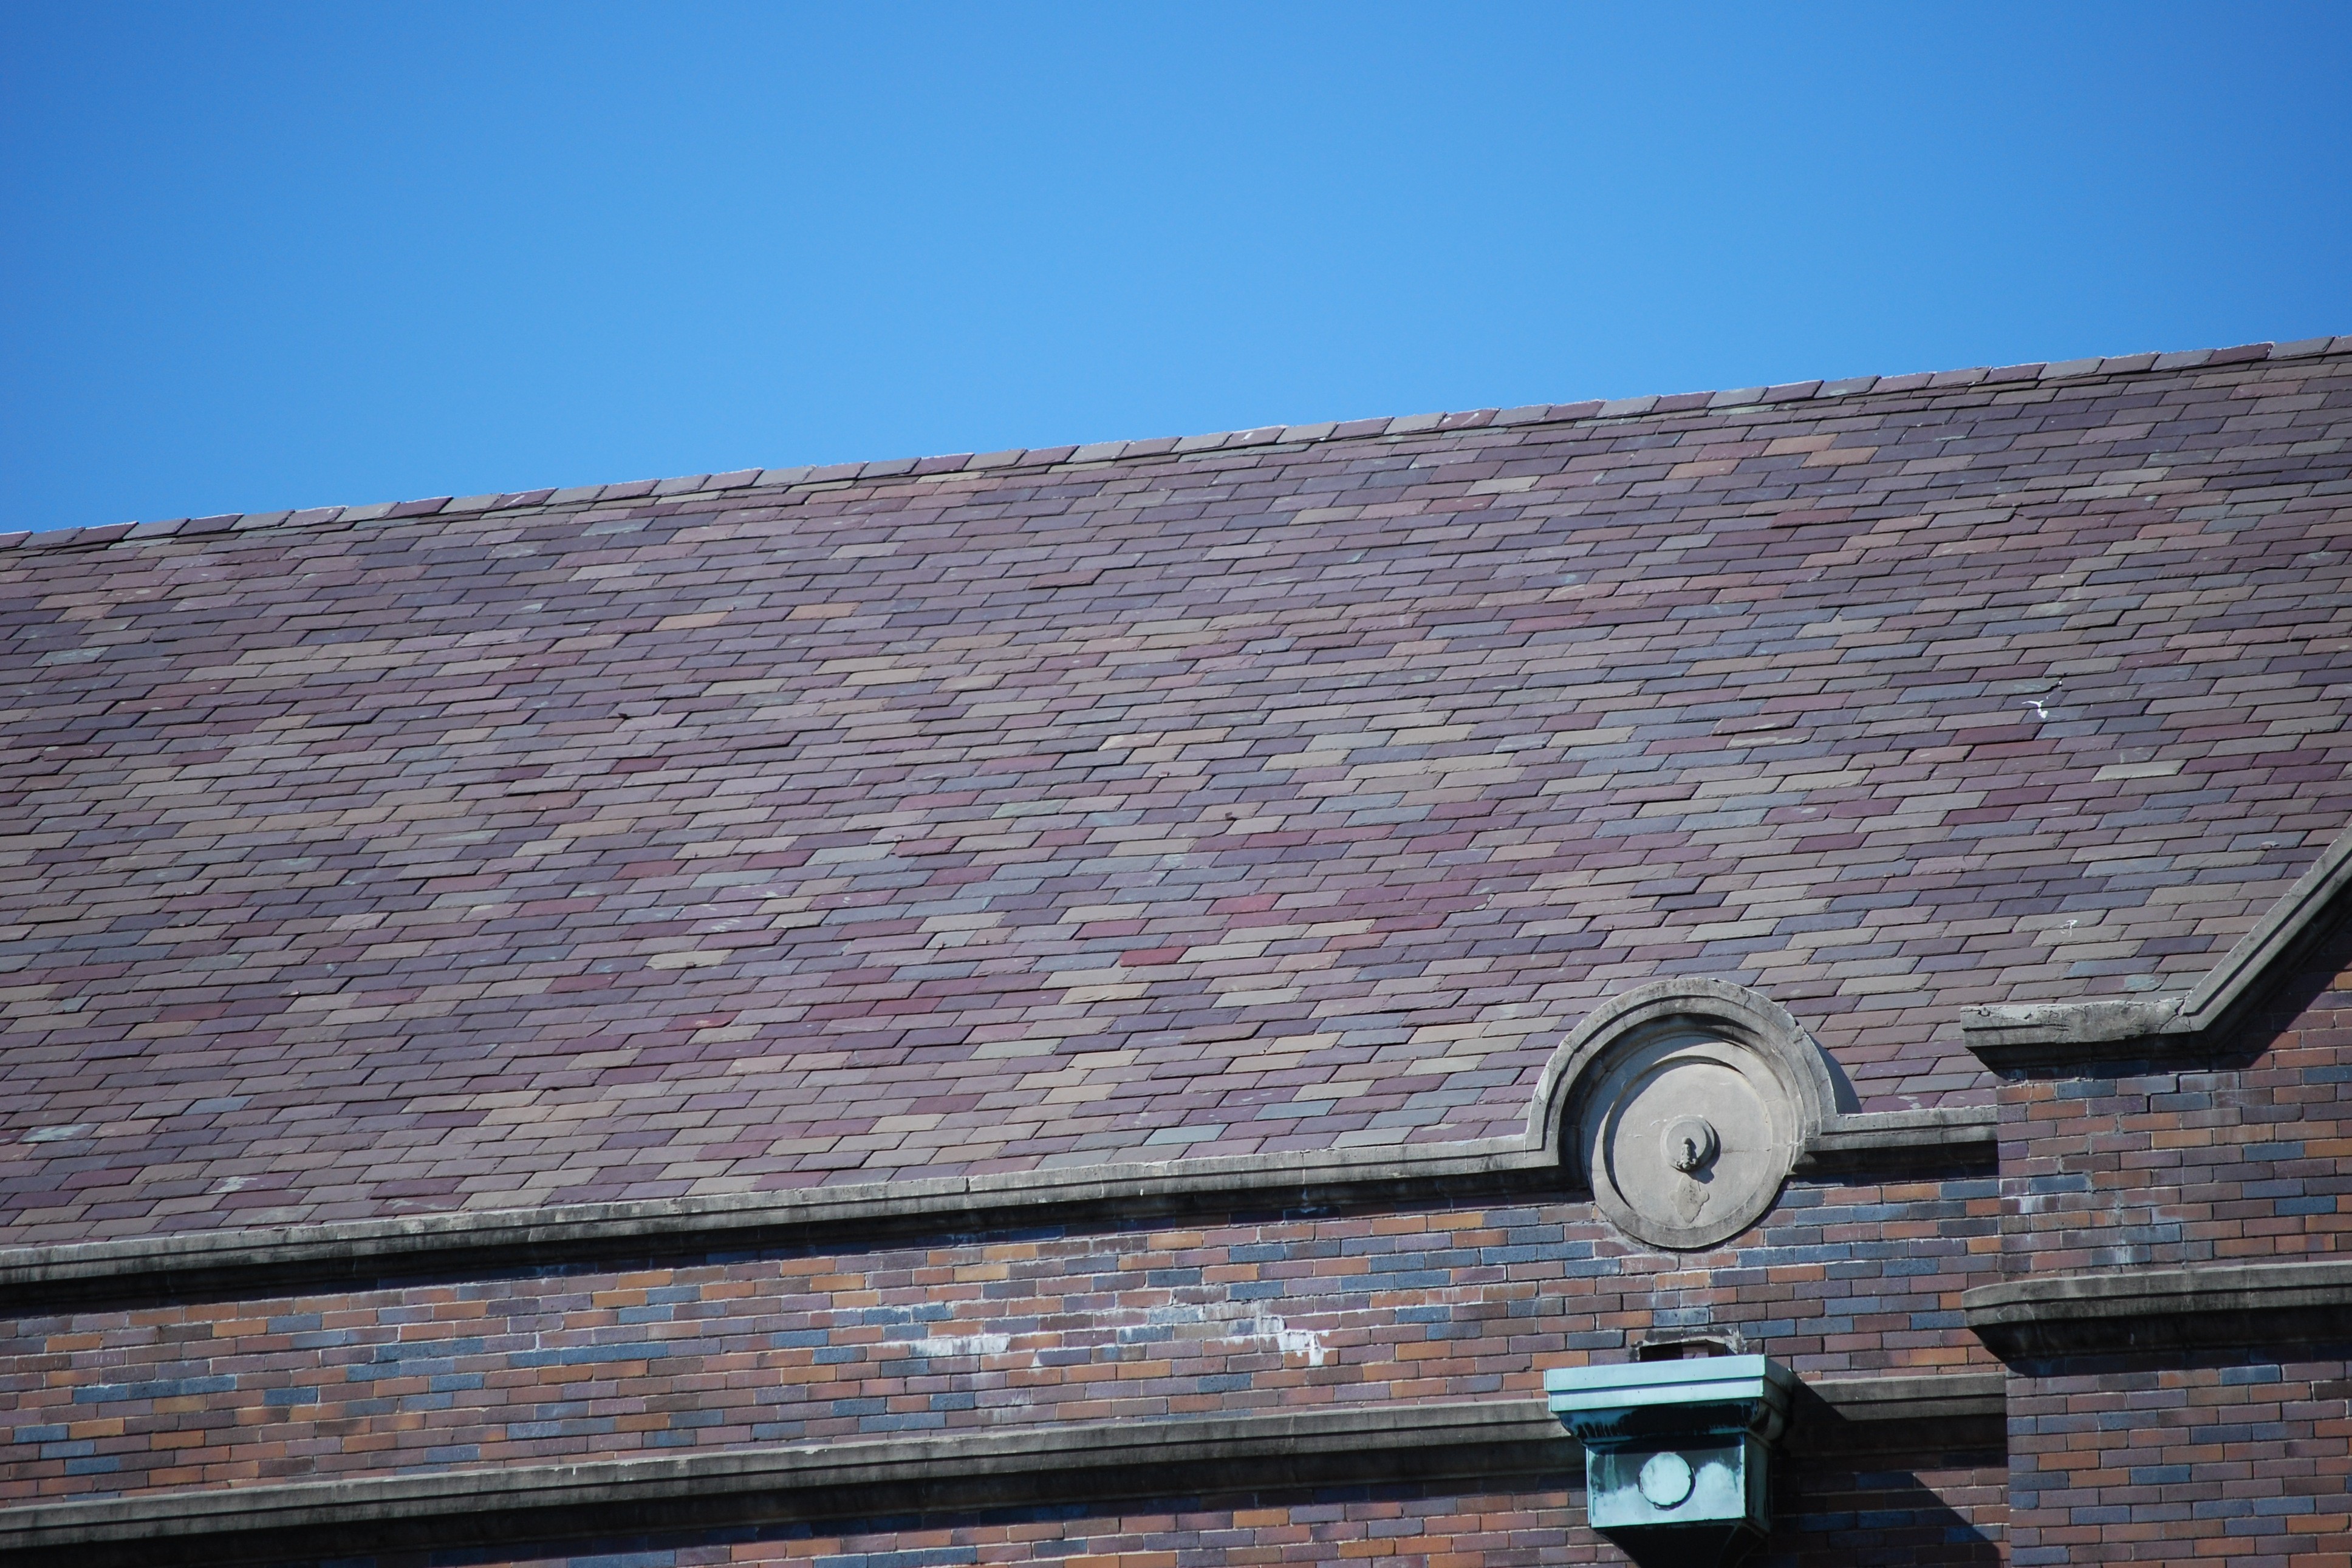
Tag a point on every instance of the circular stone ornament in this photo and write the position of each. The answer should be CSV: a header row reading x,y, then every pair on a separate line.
x,y
1687,1102
1665,1480
1688,1134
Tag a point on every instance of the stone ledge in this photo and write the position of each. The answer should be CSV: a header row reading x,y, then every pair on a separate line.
x,y
988,1467
2202,1305
749,1485
1858,1142
1922,1396
485,1243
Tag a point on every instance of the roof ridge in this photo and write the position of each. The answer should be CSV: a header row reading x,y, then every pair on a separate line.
x,y
700,485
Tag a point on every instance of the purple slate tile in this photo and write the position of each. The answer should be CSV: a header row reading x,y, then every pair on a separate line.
x,y
1347,429
887,468
2239,355
1587,408
1098,452
1526,414
1790,391
1422,771
2000,374
420,508
786,475
947,463
833,472
2067,369
1625,407
684,484
1682,403
1735,397
738,480
2126,364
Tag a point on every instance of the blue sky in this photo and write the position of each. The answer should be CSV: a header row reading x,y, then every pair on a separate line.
x,y
258,256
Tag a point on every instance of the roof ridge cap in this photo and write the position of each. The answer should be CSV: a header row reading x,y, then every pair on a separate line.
x,y
1106,452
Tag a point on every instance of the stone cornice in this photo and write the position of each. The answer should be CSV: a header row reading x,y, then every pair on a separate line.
x,y
2141,1309
243,1263
985,1468
2059,1036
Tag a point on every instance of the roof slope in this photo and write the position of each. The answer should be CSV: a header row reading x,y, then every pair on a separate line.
x,y
1291,789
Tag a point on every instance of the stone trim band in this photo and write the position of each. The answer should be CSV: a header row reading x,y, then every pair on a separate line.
x,y
991,1468
2202,1305
240,1264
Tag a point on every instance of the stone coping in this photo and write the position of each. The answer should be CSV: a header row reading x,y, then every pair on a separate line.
x,y
731,487
2063,1035
241,1264
2243,1303
991,1467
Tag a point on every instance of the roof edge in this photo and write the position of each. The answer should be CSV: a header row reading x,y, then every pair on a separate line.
x,y
715,485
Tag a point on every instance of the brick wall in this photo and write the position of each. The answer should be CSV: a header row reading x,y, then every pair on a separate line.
x,y
1457,1302
1943,1507
2240,1456
2240,1460
2242,1160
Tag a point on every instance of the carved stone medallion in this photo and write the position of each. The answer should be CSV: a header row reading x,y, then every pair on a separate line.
x,y
1687,1105
1688,1140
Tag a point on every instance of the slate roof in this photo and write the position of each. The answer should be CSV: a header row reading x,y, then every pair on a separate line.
x,y
1287,788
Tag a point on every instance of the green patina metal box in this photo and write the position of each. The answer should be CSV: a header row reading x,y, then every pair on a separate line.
x,y
1678,1449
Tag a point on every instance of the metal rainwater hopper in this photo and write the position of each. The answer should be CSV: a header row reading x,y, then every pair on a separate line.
x,y
1677,1453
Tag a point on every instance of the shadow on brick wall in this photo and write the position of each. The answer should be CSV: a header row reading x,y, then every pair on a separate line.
x,y
1892,1510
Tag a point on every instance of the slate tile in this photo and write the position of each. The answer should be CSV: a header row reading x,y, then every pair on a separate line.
x,y
1402,763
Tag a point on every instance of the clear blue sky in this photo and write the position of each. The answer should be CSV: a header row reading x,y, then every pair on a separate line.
x,y
260,257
